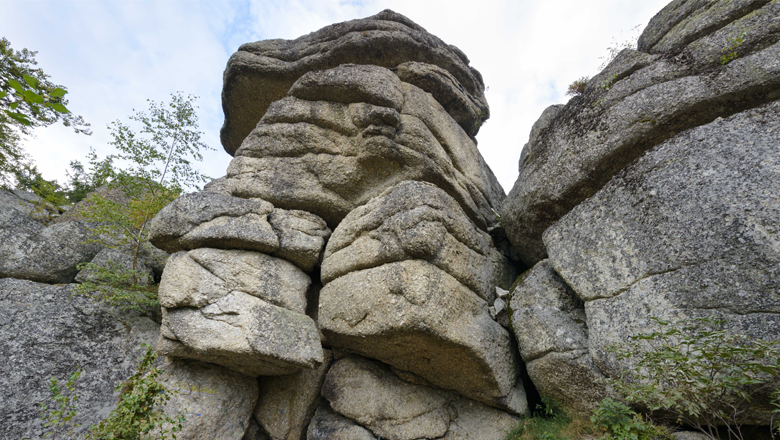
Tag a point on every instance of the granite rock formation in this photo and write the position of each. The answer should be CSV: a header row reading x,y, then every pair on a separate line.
x,y
652,195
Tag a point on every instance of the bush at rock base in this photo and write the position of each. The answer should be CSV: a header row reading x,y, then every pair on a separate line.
x,y
701,375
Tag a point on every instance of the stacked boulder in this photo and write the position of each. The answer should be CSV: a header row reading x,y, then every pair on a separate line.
x,y
347,252
654,194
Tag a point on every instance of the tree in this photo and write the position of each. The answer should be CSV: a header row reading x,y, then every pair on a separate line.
x,y
28,99
159,169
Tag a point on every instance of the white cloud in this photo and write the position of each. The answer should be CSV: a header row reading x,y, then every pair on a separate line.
x,y
113,56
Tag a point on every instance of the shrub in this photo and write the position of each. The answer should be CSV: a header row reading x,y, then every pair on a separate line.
x,y
701,374
139,413
59,417
619,422
577,87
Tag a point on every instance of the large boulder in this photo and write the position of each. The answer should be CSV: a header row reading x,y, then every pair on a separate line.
x,y
262,72
549,323
370,394
48,333
216,402
715,60
46,254
688,230
344,135
417,220
417,318
30,204
240,309
217,220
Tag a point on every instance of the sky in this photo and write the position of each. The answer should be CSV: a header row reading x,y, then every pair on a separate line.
x,y
114,55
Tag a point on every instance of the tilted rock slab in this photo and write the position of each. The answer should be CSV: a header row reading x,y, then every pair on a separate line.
x,y
240,309
216,402
28,203
417,220
417,318
46,254
679,79
218,220
262,72
344,135
688,230
549,323
46,332
370,394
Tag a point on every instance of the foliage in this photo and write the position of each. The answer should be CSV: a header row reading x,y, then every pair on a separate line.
x,y
28,99
139,413
82,182
59,419
115,285
700,373
619,422
577,87
731,51
159,159
549,422
28,178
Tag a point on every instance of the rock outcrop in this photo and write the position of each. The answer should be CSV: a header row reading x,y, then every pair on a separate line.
x,y
653,196
48,333
696,62
263,72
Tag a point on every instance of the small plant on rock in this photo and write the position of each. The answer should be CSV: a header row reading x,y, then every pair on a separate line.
x,y
577,88
58,417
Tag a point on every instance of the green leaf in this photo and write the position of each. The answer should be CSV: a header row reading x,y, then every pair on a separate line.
x,y
31,81
58,93
33,97
19,117
2,94
16,85
14,105
60,108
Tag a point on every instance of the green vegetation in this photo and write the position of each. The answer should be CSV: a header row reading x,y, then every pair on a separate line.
x,y
700,373
577,87
549,422
28,99
731,51
697,375
160,158
139,413
616,421
59,418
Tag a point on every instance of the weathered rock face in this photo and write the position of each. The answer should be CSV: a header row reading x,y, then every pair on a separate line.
x,y
216,402
48,254
368,393
688,230
344,135
549,322
418,318
286,404
416,220
28,203
263,72
217,220
47,333
715,60
240,309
